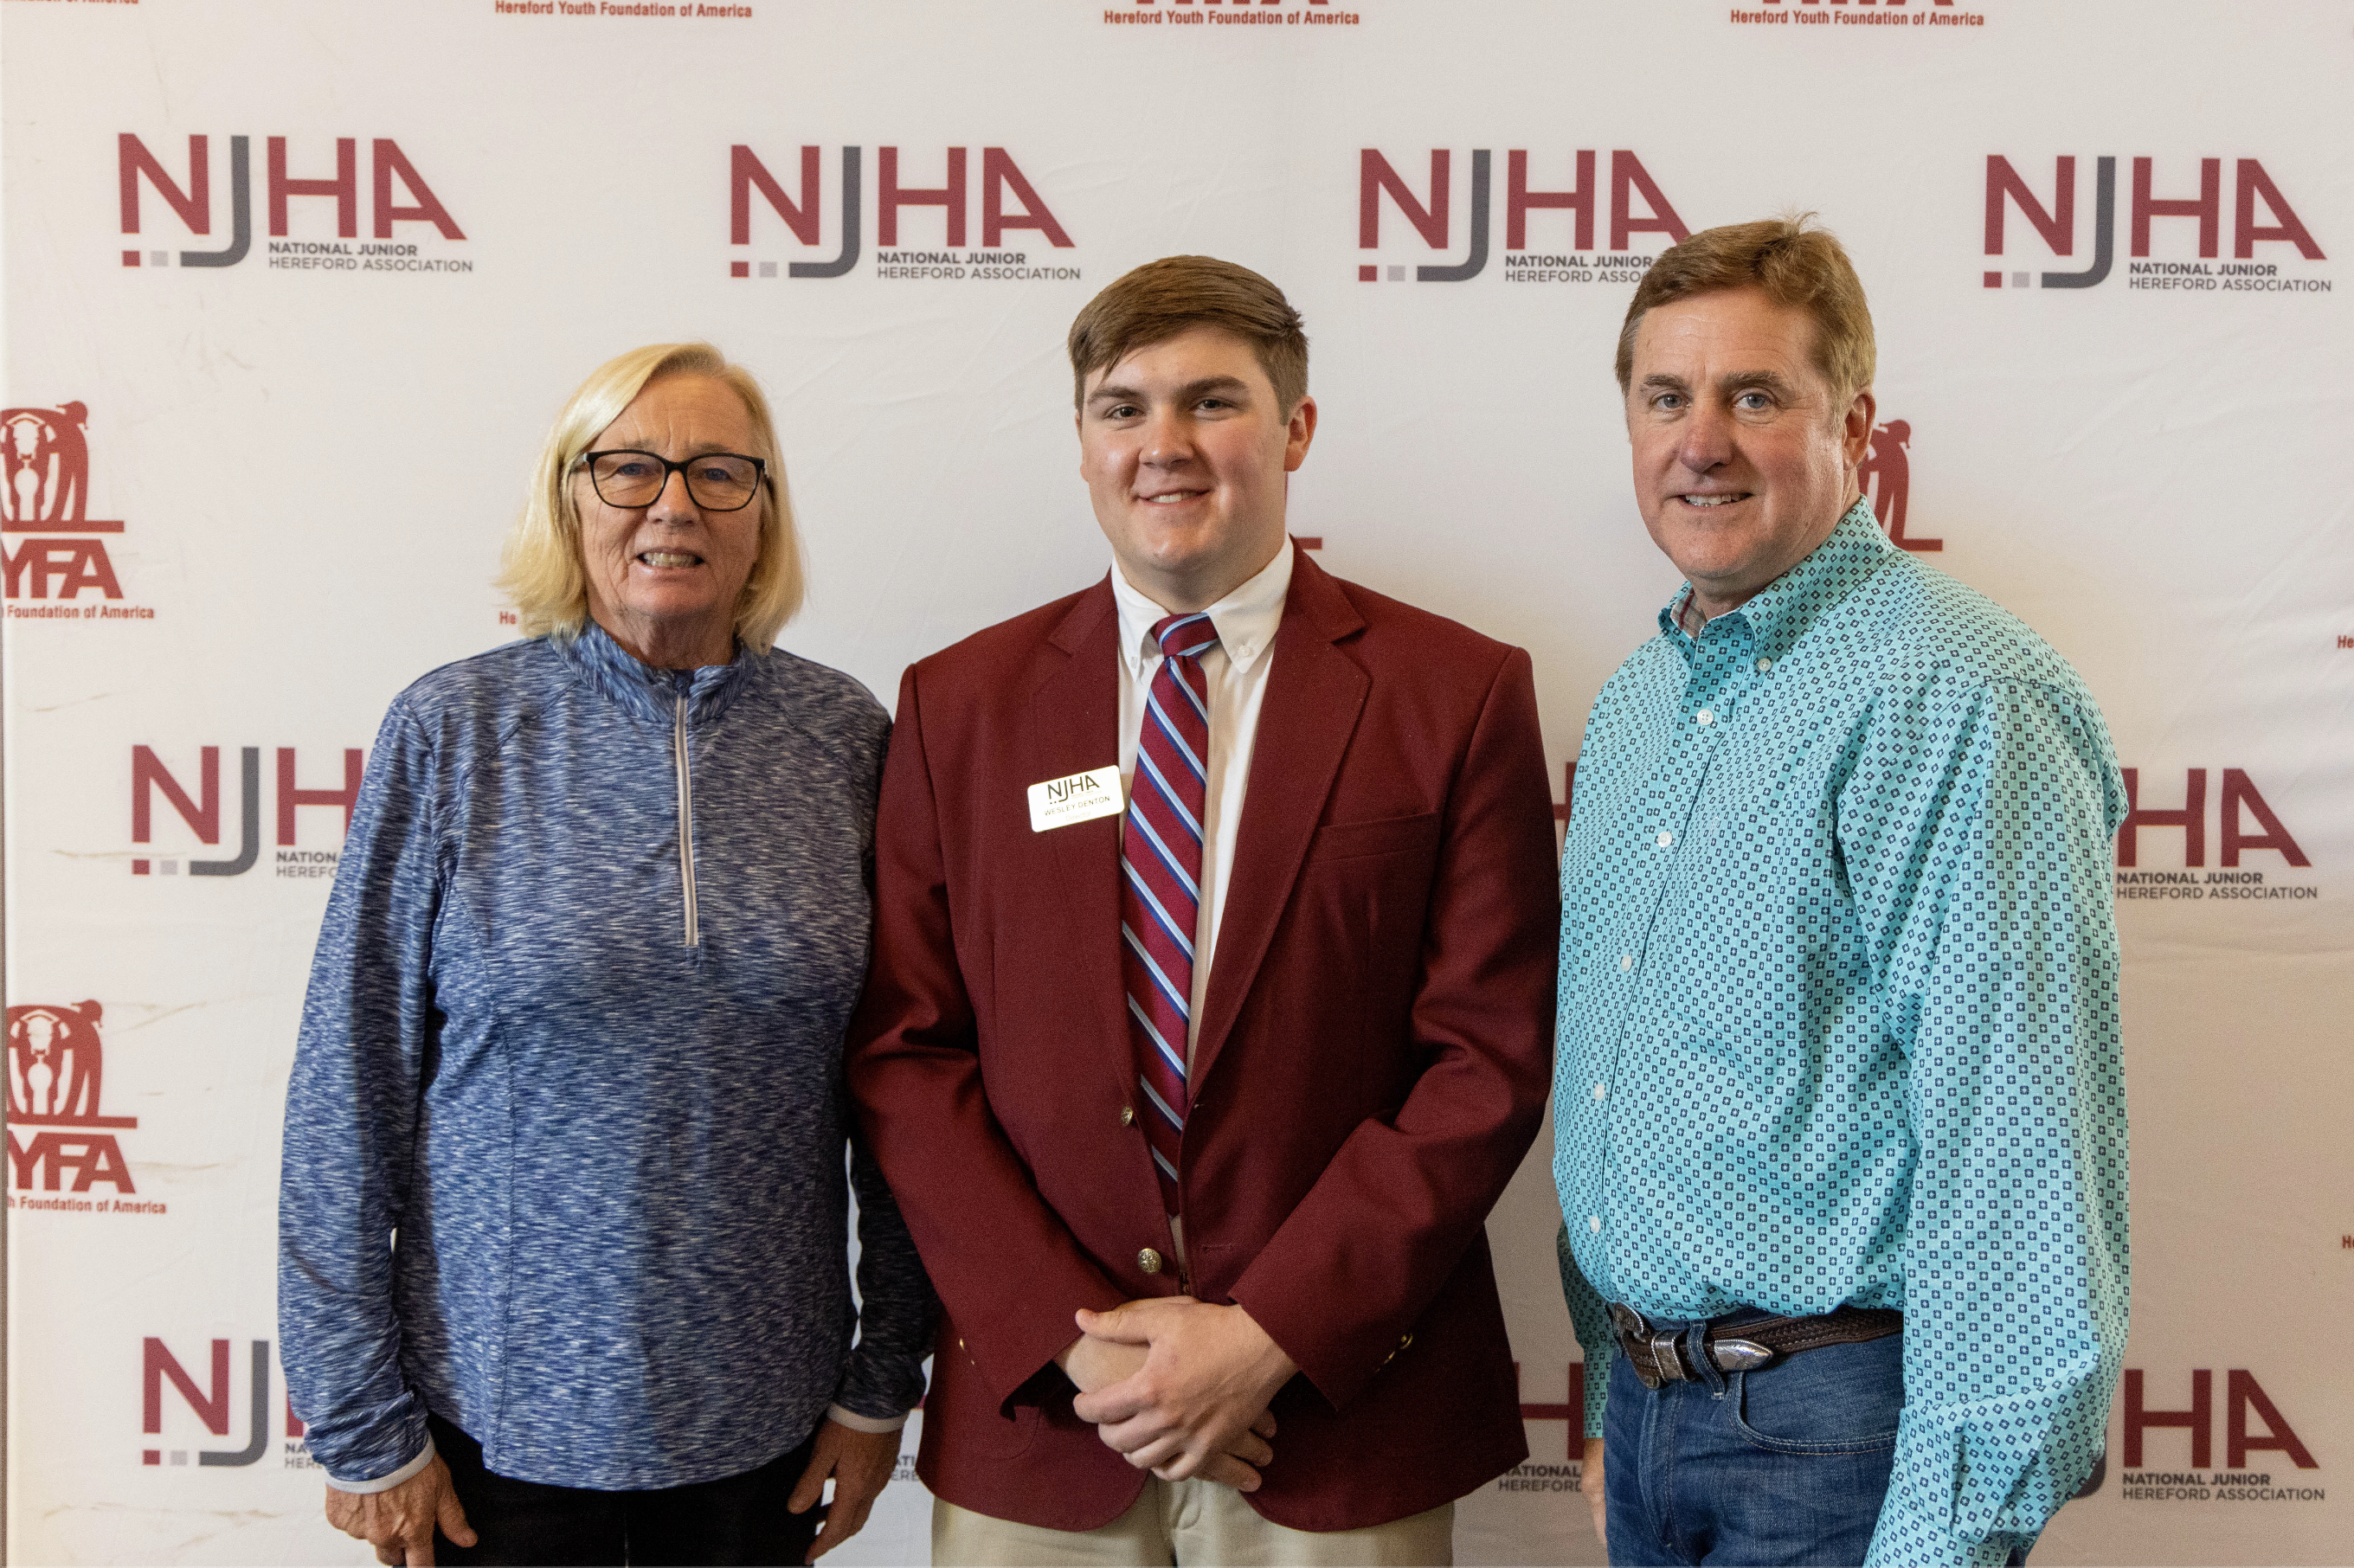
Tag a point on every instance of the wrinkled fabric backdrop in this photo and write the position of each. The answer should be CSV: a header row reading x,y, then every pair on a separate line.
x,y
293,292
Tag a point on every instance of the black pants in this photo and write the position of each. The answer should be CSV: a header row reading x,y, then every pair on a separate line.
x,y
740,1518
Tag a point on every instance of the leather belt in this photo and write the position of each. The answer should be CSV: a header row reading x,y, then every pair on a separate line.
x,y
1659,1356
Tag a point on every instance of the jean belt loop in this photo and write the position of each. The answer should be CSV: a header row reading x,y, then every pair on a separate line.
x,y
1704,1365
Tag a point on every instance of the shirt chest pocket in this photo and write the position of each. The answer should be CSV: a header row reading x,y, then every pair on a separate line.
x,y
1764,810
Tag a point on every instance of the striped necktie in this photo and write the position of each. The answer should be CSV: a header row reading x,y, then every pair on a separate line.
x,y
1161,882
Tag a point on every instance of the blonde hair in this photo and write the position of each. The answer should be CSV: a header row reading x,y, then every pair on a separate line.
x,y
540,568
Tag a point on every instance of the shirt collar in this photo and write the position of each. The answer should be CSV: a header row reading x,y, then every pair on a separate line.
x,y
1778,614
650,694
1245,619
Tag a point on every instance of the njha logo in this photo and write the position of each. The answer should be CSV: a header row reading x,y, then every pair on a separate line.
x,y
1008,202
213,1404
1431,216
45,459
2054,220
2243,1397
56,1069
2238,799
202,812
191,197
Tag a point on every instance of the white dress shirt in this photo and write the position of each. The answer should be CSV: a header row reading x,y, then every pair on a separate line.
x,y
1236,671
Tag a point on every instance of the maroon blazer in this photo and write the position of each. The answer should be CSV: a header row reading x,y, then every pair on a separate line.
x,y
1372,1061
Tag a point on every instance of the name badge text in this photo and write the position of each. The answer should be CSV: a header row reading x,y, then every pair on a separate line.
x,y
1081,797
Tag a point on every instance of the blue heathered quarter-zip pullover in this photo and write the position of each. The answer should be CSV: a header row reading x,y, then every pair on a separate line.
x,y
565,1136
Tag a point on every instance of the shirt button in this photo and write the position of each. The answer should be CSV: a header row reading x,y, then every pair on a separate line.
x,y
1625,962
1665,841
1128,1116
1704,716
1149,1261
1594,1223
1600,1091
1763,665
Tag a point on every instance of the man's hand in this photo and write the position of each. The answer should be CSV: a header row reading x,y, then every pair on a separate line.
x,y
1199,1403
860,1464
399,1522
1589,1481
1092,1363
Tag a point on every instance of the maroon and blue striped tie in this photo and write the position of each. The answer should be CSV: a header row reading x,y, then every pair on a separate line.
x,y
1161,882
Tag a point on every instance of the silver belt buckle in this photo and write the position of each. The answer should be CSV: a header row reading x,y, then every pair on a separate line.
x,y
1665,1364
1634,1334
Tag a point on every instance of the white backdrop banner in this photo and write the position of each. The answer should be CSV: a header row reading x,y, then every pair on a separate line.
x,y
293,290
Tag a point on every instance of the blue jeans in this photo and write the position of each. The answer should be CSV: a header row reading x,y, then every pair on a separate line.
x,y
1788,1464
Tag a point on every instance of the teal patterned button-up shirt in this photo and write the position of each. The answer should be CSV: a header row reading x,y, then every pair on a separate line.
x,y
1839,1017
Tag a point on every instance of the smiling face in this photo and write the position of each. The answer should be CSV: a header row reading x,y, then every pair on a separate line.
x,y
663,579
1185,450
1744,459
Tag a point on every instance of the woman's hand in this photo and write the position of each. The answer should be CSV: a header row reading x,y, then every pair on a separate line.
x,y
860,1464
399,1522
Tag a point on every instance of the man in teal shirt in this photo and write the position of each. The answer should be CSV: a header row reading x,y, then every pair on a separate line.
x,y
1839,1097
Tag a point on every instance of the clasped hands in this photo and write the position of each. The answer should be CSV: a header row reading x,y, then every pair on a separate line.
x,y
1179,1387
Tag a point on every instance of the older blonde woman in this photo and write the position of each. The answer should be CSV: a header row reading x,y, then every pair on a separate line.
x,y
564,1216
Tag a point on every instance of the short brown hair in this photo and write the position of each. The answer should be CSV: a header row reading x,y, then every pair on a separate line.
x,y
1798,266
1163,298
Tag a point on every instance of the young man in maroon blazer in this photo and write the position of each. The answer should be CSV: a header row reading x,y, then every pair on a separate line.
x,y
1211,1004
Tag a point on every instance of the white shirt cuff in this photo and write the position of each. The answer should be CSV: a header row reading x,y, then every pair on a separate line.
x,y
858,1423
385,1483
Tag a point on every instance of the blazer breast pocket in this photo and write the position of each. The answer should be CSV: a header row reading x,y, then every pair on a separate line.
x,y
1384,835
1364,895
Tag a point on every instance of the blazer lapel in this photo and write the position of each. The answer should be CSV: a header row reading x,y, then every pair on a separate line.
x,y
1074,727
1314,692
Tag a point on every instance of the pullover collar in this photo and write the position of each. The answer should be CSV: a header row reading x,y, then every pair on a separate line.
x,y
603,666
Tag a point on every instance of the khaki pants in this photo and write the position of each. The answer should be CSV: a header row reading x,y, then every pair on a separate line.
x,y
1188,1523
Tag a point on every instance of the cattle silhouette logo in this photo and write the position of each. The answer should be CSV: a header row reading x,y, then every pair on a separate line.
x,y
44,490
47,459
56,1064
1886,476
56,1072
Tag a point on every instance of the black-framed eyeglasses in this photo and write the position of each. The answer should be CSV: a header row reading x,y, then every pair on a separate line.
x,y
716,482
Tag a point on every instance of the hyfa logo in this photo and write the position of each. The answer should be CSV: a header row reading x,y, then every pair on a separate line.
x,y
1887,478
2238,801
212,1404
1431,216
192,203
2243,1397
45,459
56,1066
150,777
1008,202
2056,223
